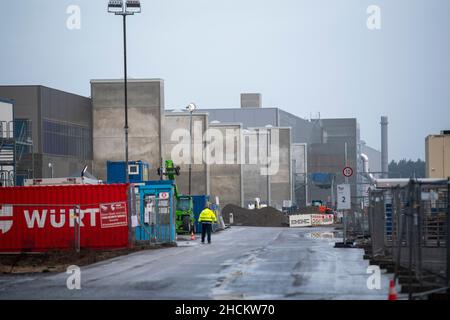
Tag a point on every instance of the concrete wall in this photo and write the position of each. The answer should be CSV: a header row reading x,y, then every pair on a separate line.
x,y
437,156
226,178
145,119
277,186
251,100
299,174
6,112
176,127
255,184
249,117
280,183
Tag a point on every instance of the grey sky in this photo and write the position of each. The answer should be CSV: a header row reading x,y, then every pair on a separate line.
x,y
305,56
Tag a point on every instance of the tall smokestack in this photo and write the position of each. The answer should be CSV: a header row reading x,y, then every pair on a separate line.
x,y
384,147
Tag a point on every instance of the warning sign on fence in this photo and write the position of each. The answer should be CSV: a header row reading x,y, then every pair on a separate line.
x,y
308,220
300,220
113,215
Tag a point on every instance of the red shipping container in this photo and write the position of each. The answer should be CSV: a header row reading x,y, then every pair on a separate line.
x,y
43,218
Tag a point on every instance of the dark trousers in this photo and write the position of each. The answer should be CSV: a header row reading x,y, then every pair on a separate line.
x,y
206,229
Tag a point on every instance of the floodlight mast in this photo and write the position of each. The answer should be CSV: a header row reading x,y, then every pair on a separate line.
x,y
124,9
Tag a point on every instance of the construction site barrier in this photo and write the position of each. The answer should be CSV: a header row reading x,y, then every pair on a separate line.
x,y
309,220
409,227
44,218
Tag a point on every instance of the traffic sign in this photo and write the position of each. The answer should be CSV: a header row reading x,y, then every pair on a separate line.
x,y
344,201
163,195
347,172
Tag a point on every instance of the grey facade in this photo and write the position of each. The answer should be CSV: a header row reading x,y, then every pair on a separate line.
x,y
300,174
61,129
176,142
145,118
302,131
227,175
340,148
270,177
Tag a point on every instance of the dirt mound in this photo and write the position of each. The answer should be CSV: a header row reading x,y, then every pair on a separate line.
x,y
265,217
307,210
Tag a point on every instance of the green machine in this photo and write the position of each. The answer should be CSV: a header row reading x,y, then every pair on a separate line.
x,y
185,220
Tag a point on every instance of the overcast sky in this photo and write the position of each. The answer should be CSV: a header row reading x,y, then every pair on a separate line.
x,y
304,56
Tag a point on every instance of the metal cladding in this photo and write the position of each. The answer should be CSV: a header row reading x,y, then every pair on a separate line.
x,y
384,146
43,218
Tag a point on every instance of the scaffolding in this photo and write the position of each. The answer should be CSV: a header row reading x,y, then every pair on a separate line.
x,y
16,152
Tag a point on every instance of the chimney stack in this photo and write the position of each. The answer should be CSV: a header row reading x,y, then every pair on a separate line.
x,y
384,147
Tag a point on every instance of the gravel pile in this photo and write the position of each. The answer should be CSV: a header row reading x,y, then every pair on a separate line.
x,y
265,217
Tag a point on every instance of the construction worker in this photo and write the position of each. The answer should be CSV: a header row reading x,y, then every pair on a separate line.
x,y
207,218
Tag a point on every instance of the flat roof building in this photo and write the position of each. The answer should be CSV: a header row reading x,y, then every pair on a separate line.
x,y
437,155
60,125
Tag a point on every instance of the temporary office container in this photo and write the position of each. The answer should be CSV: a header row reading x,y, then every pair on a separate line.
x,y
42,218
138,171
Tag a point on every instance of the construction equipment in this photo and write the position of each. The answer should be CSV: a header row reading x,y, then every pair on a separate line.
x,y
185,220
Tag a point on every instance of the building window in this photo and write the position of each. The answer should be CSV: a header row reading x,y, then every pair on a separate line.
x,y
66,139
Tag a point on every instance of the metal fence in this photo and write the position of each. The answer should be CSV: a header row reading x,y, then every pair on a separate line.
x,y
409,226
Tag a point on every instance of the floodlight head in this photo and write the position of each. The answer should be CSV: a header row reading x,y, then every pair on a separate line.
x,y
84,170
191,107
50,165
115,6
133,6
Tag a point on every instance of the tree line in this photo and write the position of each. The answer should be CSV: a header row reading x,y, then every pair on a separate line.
x,y
407,169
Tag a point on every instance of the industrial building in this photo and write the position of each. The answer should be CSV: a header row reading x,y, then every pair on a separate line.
x,y
437,155
70,131
54,129
321,149
251,114
146,122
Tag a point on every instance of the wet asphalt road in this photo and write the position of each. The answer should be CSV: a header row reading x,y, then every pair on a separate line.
x,y
241,263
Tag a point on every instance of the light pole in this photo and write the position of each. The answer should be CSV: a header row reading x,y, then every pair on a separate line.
x,y
50,165
191,108
124,9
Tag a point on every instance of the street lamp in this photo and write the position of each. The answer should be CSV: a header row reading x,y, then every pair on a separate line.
x,y
191,108
50,165
124,9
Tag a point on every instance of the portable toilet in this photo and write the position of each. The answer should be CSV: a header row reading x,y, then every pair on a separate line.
x,y
199,204
157,212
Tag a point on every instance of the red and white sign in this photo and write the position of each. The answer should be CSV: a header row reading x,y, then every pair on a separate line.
x,y
308,220
347,172
113,215
6,222
163,195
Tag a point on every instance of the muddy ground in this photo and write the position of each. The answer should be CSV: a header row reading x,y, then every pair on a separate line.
x,y
58,261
